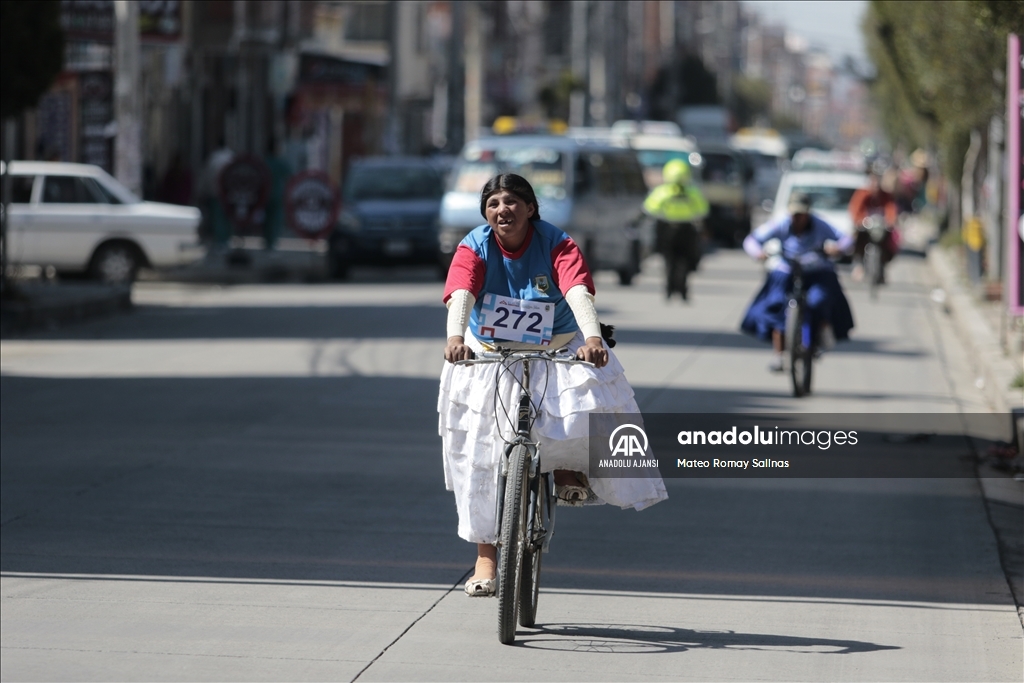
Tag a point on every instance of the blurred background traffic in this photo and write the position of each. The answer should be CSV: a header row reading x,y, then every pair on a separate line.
x,y
351,133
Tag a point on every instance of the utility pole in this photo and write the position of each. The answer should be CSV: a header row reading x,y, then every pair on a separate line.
x,y
393,143
456,79
127,143
579,100
474,77
8,154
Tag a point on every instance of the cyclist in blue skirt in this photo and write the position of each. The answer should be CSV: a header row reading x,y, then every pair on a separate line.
x,y
802,236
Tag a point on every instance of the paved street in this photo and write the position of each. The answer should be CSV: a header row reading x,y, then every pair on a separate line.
x,y
245,483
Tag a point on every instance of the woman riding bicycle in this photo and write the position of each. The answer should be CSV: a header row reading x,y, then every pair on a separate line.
x,y
809,239
519,256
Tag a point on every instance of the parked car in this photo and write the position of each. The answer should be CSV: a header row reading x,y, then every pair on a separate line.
x,y
726,182
77,218
389,213
829,192
591,188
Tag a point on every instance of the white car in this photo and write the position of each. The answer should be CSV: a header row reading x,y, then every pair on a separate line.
x,y
830,195
77,218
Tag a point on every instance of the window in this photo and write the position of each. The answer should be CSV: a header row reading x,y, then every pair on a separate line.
x,y
392,183
629,177
611,174
557,29
826,198
21,188
367,21
720,168
657,158
99,190
67,190
544,168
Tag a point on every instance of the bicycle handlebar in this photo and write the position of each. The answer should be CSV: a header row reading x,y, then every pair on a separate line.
x,y
556,356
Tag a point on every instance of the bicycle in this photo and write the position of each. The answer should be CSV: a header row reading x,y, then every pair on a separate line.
x,y
525,501
800,338
874,227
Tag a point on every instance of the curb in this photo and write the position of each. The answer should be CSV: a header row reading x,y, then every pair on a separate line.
x,y
988,359
47,306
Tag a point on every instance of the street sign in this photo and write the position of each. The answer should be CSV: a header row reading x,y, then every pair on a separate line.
x,y
311,204
244,185
1015,187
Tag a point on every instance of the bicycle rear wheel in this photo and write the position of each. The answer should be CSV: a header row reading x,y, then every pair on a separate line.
x,y
513,543
873,268
529,591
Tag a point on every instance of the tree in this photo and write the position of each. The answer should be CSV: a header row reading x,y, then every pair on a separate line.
x,y
693,84
1000,15
31,52
752,98
939,72
555,96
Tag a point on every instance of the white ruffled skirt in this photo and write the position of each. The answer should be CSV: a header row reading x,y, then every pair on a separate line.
x,y
474,427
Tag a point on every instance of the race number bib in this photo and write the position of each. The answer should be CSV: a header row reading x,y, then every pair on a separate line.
x,y
516,320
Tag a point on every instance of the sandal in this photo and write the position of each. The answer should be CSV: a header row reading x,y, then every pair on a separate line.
x,y
481,588
573,496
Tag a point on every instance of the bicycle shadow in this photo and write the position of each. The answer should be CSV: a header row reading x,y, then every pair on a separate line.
x,y
644,639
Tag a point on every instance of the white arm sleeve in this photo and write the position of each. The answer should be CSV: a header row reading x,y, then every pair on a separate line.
x,y
460,303
582,304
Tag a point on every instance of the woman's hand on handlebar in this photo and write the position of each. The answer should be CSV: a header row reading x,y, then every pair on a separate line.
x,y
457,350
593,352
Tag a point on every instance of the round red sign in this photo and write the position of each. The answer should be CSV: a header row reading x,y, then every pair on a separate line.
x,y
244,185
311,204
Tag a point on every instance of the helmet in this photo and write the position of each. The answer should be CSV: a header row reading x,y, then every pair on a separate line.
x,y
677,172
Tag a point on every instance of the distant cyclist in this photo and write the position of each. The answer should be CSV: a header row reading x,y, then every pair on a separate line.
x,y
802,236
872,201
516,256
679,206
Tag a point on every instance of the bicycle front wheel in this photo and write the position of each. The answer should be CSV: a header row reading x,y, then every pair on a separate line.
x,y
800,353
530,589
513,543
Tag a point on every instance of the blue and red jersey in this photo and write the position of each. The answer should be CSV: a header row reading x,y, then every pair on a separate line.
x,y
548,264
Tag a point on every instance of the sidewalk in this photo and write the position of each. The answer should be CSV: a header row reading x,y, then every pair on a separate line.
x,y
36,305
997,362
246,261
997,358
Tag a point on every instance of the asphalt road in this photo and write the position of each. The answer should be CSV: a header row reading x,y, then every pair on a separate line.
x,y
245,483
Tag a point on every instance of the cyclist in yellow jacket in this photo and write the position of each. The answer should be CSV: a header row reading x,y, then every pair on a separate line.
x,y
679,207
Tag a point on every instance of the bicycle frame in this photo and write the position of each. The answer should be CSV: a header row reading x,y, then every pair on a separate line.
x,y
798,301
538,538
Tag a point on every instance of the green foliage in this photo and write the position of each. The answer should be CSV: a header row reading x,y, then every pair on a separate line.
x,y
31,52
555,96
950,239
999,15
752,99
785,123
939,72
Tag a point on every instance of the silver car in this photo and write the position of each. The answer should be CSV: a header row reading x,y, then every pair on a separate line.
x,y
77,218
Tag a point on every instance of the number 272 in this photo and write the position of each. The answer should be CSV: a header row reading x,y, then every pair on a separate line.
x,y
505,313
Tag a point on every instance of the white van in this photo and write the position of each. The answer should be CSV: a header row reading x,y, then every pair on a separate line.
x,y
593,190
